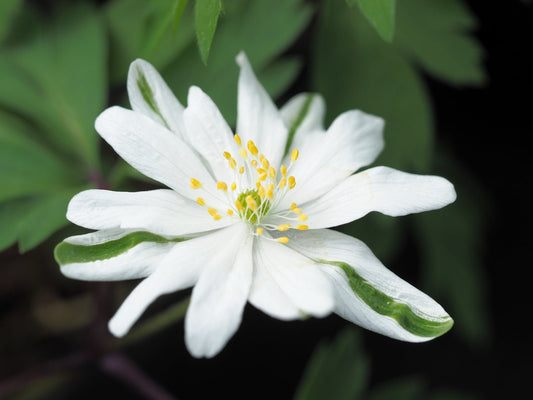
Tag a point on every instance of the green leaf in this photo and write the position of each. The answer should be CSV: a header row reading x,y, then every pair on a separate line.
x,y
373,76
27,166
380,13
264,30
435,34
205,19
7,9
66,253
11,214
451,247
47,215
58,80
411,387
337,370
148,30
413,321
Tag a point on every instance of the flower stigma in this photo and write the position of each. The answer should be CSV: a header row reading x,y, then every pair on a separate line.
x,y
256,190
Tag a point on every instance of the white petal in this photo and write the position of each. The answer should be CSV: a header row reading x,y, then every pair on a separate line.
x,y
352,141
305,112
258,119
297,276
137,262
153,150
219,297
381,189
330,245
179,269
150,95
161,211
209,134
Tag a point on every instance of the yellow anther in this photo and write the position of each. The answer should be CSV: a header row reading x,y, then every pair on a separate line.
x,y
297,210
252,205
241,170
212,211
302,217
232,163
195,184
230,211
272,172
283,239
222,186
294,155
226,155
261,171
270,194
258,184
270,187
238,205
284,227
259,231
238,139
200,201
293,206
233,186
261,157
243,153
252,148
292,182
282,183
302,227
216,217
265,163
262,177
261,190
254,163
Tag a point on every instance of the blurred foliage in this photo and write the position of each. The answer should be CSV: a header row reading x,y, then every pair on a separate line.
x,y
340,369
60,68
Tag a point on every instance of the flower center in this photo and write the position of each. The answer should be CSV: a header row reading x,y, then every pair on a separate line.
x,y
257,188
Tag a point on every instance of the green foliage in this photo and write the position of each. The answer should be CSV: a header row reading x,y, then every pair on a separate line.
x,y
380,13
405,388
206,15
7,9
337,370
435,34
263,29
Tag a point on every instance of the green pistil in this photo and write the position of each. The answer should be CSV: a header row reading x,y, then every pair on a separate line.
x,y
263,205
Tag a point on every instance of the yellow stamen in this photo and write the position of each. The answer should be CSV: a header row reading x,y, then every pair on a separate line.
x,y
282,183
270,194
252,148
195,184
259,231
262,177
283,239
294,155
292,182
232,163
212,211
243,153
261,171
216,217
254,163
238,139
230,211
200,201
233,186
252,205
226,155
302,217
297,210
302,227
238,205
261,190
222,186
283,170
284,227
272,172
241,170
265,163
293,206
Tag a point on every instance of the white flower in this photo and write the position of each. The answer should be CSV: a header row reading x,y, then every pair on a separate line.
x,y
244,217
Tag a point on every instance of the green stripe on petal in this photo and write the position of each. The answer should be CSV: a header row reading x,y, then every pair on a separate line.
x,y
68,253
413,322
148,95
298,121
